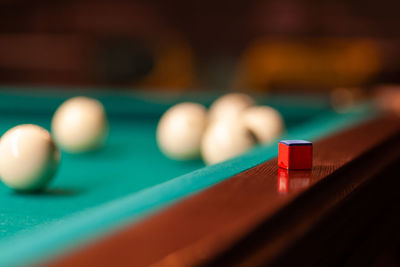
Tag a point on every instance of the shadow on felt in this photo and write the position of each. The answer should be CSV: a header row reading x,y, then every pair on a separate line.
x,y
56,192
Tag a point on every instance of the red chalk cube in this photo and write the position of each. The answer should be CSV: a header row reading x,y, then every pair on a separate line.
x,y
295,155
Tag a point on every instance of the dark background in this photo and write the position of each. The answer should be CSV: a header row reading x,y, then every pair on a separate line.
x,y
180,45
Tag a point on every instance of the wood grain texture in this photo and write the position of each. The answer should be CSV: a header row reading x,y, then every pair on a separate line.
x,y
264,216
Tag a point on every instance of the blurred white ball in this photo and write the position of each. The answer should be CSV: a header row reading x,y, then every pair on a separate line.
x,y
225,139
28,158
181,129
229,106
264,122
80,124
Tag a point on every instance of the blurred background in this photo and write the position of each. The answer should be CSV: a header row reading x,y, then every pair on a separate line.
x,y
175,45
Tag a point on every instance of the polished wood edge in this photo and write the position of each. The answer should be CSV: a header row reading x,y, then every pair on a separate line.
x,y
214,225
323,224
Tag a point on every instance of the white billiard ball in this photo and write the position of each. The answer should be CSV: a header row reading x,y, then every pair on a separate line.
x,y
225,139
180,131
264,122
80,124
229,106
28,158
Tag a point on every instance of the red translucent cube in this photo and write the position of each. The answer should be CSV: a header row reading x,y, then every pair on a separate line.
x,y
295,155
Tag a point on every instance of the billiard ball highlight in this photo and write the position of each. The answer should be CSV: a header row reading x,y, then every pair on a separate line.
x,y
28,158
229,106
225,139
80,124
264,122
181,129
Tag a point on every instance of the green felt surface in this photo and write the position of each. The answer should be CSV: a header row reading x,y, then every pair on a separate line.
x,y
95,192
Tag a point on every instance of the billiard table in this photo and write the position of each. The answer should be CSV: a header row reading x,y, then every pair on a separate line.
x,y
127,204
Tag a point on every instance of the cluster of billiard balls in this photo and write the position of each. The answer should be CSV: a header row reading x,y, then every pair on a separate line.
x,y
232,125
29,154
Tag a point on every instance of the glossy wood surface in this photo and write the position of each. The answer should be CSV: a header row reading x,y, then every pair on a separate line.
x,y
266,215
